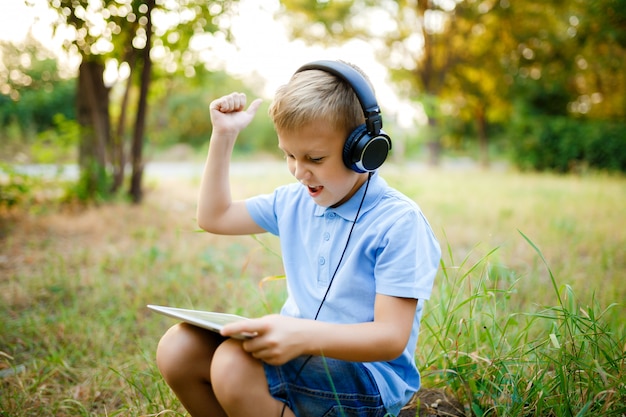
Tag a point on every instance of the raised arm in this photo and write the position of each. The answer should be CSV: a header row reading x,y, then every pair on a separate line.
x,y
217,213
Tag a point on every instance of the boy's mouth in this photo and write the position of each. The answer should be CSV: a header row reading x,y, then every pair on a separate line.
x,y
315,191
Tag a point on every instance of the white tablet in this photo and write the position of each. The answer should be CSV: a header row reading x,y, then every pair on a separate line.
x,y
206,319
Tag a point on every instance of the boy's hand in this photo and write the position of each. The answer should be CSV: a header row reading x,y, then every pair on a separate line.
x,y
229,114
276,339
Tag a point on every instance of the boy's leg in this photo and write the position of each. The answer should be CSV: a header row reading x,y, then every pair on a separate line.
x,y
240,384
184,358
200,366
318,386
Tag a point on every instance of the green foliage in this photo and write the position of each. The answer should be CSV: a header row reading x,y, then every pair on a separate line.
x,y
564,144
33,106
93,184
16,189
25,192
37,107
562,360
586,375
183,118
607,149
259,136
478,59
56,144
180,113
121,33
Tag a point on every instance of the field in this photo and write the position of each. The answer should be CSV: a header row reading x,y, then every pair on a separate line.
x,y
527,316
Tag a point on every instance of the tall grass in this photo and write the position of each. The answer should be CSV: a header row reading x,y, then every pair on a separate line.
x,y
563,359
533,325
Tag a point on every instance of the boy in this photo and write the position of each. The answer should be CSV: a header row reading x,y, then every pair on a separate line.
x,y
359,257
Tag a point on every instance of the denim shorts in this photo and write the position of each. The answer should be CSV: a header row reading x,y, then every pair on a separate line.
x,y
314,386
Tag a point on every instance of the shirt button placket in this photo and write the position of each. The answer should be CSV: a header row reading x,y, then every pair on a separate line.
x,y
322,264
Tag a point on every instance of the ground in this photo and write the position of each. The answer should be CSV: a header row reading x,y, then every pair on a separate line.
x,y
433,402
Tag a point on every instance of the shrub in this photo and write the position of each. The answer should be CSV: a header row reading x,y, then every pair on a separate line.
x,y
564,144
15,187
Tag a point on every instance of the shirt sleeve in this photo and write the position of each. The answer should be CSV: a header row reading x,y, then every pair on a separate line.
x,y
262,210
408,258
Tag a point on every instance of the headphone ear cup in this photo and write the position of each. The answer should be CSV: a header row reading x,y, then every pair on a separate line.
x,y
363,152
349,146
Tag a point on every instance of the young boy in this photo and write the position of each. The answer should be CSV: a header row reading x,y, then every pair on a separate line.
x,y
360,259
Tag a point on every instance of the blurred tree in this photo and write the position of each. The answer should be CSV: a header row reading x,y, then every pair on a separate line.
x,y
475,87
541,60
417,40
124,33
440,53
32,88
600,58
179,113
480,60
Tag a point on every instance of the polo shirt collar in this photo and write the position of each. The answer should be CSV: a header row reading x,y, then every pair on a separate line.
x,y
348,209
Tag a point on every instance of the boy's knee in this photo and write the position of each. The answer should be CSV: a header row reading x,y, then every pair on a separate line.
x,y
182,349
230,372
168,350
225,363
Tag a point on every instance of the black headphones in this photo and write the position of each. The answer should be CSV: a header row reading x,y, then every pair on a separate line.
x,y
366,148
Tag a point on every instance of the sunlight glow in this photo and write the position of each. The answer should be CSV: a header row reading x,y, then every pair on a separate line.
x,y
265,53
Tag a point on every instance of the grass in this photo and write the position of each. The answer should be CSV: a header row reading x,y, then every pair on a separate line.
x,y
527,315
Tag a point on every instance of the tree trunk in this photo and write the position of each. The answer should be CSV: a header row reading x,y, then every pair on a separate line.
x,y
434,142
93,116
118,154
136,191
483,141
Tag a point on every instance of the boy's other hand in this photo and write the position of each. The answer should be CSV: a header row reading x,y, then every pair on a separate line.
x,y
276,339
229,114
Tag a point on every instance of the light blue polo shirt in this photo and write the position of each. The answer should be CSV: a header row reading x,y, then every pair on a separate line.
x,y
392,251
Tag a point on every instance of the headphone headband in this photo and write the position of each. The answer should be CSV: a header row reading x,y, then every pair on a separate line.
x,y
362,89
367,146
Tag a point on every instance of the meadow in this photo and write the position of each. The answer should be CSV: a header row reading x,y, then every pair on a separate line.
x,y
527,315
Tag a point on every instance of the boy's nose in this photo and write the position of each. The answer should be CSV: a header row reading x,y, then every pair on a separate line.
x,y
301,172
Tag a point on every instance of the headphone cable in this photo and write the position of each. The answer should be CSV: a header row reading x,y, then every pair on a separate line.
x,y
345,247
332,278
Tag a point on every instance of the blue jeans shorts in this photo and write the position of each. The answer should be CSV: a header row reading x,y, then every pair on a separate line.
x,y
314,386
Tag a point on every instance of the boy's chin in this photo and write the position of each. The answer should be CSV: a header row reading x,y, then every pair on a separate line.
x,y
322,204
325,203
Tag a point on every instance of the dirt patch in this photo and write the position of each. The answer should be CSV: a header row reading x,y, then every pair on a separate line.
x,y
433,402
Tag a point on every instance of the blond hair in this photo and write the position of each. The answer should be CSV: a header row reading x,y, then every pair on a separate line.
x,y
316,96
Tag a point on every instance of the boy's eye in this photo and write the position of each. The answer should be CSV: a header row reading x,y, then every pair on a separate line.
x,y
316,160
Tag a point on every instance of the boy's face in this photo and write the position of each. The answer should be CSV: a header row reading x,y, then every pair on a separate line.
x,y
314,157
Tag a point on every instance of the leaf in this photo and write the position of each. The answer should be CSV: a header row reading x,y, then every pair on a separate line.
x,y
555,341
